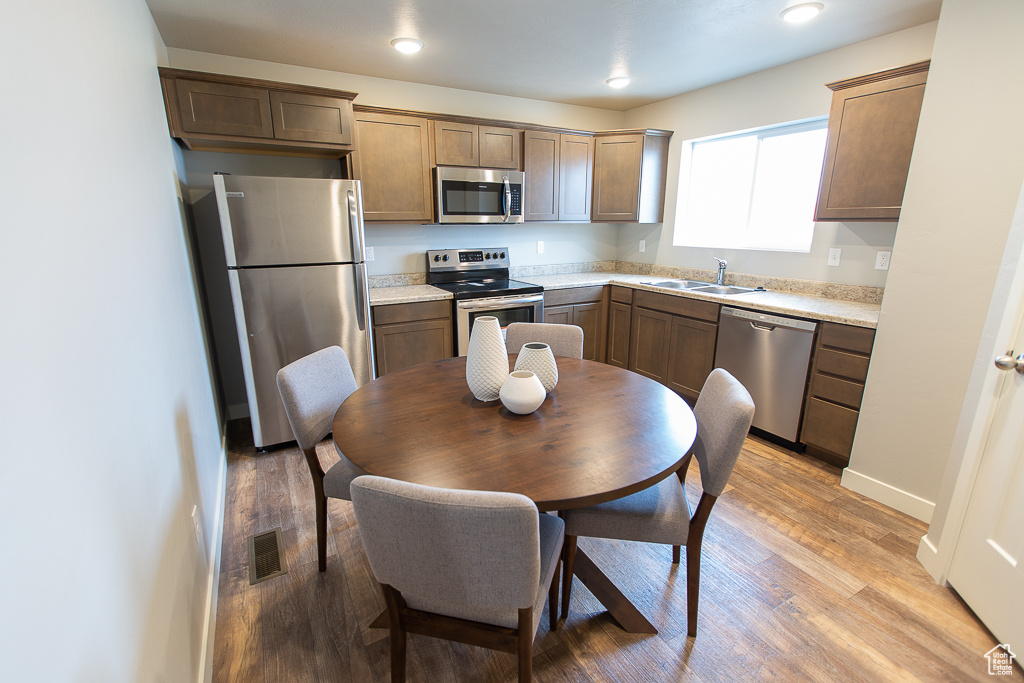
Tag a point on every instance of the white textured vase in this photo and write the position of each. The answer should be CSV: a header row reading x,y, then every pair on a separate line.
x,y
486,359
522,392
539,359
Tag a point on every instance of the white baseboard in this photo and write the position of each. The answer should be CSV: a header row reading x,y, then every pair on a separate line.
x,y
928,556
213,581
888,495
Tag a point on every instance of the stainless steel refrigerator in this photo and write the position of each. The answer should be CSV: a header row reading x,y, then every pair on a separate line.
x,y
294,251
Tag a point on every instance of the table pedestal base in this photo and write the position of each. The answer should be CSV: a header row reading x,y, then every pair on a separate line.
x,y
618,605
625,614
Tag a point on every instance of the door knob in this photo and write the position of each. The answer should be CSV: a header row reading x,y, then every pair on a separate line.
x,y
1007,362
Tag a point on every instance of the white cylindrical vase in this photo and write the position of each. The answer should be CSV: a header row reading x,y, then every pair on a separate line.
x,y
538,358
486,359
522,392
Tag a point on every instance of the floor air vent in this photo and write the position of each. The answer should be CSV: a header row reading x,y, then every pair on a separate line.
x,y
266,556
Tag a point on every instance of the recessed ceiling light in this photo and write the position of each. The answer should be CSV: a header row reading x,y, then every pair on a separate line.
x,y
407,45
618,82
798,14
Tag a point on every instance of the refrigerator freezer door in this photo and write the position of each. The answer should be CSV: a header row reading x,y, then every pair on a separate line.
x,y
283,314
286,221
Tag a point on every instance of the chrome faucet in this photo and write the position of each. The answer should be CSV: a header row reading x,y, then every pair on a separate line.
x,y
722,263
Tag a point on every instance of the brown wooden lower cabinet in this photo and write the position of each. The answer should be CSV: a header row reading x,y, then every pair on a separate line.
x,y
672,340
409,334
583,306
620,315
691,355
841,358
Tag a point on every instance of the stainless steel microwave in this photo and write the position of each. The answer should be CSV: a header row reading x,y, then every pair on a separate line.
x,y
479,195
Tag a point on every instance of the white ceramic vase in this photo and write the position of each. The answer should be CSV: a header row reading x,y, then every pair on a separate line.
x,y
486,359
539,359
522,392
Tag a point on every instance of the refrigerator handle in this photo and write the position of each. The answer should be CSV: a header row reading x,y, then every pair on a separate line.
x,y
355,227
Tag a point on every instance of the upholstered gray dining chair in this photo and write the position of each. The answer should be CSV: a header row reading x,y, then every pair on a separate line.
x,y
564,340
469,566
661,513
312,388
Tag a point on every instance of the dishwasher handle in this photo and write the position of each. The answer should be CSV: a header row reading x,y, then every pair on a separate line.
x,y
766,322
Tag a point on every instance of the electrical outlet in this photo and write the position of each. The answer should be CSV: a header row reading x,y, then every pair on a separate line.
x,y
540,247
369,254
195,526
834,256
882,259
643,246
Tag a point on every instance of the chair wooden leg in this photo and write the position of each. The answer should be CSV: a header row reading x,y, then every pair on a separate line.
x,y
692,587
553,597
321,532
568,564
525,645
675,554
397,634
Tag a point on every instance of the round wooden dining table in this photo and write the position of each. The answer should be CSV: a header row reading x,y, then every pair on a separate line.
x,y
602,433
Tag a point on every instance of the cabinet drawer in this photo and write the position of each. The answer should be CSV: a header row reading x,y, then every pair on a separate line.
x,y
402,313
575,295
829,426
623,295
837,390
556,315
847,337
691,308
843,364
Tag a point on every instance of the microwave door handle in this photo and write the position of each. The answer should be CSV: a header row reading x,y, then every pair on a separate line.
x,y
508,201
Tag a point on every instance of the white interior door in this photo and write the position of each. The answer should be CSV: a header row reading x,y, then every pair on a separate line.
x,y
988,564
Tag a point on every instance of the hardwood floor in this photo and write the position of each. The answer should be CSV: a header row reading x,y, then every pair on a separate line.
x,y
801,580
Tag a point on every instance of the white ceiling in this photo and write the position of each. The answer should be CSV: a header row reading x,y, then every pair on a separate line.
x,y
555,50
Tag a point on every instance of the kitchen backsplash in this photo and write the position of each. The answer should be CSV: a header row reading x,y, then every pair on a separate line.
x,y
830,290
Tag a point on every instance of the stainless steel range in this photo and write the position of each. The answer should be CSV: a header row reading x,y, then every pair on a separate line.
x,y
478,280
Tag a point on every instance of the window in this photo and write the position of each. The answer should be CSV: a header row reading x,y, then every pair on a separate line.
x,y
752,190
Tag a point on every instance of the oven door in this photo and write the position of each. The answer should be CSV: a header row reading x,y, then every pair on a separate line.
x,y
527,308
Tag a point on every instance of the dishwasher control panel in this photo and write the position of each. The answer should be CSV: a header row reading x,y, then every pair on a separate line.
x,y
768,319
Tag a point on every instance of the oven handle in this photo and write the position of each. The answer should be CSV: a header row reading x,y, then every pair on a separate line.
x,y
495,303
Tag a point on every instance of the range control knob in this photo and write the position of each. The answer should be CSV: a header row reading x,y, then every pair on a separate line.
x,y
445,257
502,254
487,256
437,257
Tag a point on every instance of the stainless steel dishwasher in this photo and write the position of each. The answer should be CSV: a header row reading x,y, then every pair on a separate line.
x,y
770,355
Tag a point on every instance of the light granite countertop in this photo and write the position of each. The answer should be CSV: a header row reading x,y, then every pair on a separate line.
x,y
771,301
406,294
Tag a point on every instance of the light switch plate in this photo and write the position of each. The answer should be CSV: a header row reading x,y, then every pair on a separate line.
x,y
540,247
643,246
882,259
834,256
369,254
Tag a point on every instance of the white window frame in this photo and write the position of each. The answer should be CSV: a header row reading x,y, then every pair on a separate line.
x,y
680,237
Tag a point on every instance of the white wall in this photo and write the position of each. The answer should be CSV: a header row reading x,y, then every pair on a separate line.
x,y
110,431
965,179
790,92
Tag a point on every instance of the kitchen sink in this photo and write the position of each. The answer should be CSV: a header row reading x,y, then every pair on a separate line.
x,y
679,284
724,290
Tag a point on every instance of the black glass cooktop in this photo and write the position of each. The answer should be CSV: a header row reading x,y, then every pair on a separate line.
x,y
476,289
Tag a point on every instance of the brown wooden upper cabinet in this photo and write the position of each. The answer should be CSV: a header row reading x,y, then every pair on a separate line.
x,y
630,169
229,113
466,144
559,176
392,159
871,131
